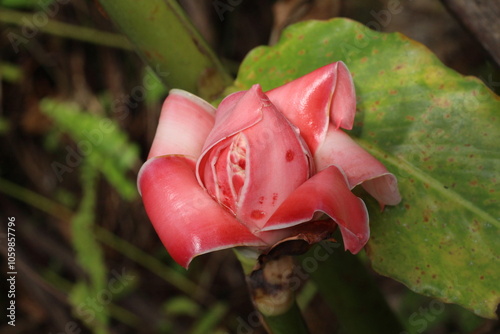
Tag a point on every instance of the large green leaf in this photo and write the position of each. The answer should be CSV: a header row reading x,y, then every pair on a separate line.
x,y
438,131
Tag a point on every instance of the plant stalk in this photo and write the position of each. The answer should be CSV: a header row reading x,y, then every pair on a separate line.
x,y
290,322
273,293
350,291
166,39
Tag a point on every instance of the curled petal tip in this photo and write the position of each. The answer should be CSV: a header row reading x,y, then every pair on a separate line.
x,y
360,167
343,106
384,188
314,100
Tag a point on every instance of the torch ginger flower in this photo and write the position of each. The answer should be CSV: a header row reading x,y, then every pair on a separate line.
x,y
261,168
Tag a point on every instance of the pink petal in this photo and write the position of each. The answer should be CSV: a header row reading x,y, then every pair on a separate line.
x,y
228,122
343,108
188,221
360,167
310,101
326,192
184,124
259,165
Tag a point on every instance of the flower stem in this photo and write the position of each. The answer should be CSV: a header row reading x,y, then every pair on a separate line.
x,y
290,322
272,292
352,294
169,43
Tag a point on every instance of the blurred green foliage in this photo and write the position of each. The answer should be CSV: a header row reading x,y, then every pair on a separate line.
x,y
99,140
25,4
88,254
10,72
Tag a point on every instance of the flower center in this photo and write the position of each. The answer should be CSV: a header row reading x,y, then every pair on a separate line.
x,y
228,172
237,164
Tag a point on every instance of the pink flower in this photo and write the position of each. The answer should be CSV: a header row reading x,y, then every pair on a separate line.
x,y
261,168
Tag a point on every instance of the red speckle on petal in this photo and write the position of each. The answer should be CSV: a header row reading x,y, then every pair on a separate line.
x,y
261,199
238,182
257,214
242,164
289,155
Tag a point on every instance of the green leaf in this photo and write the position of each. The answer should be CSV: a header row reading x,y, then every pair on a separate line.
x,y
4,126
290,322
210,320
181,305
154,92
10,72
349,289
90,257
99,140
436,130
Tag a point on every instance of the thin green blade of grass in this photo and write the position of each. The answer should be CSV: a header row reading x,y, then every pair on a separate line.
x,y
61,29
90,257
209,321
